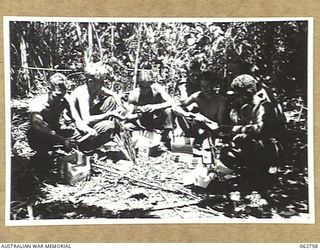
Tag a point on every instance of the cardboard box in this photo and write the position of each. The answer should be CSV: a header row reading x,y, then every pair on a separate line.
x,y
74,168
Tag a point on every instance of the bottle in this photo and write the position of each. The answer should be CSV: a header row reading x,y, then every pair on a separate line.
x,y
206,157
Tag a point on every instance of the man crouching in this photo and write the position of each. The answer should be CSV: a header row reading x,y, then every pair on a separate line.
x,y
92,106
151,105
45,113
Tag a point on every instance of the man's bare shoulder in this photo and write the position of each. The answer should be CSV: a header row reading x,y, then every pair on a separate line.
x,y
134,96
157,87
80,92
39,103
196,95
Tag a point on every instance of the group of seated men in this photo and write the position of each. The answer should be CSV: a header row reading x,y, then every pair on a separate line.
x,y
254,116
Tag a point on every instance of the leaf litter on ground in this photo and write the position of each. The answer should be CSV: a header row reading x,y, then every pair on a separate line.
x,y
152,188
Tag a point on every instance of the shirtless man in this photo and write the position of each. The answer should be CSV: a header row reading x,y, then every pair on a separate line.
x,y
211,110
191,85
92,107
45,112
151,105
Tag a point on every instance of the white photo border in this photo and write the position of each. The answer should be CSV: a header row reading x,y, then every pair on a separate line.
x,y
310,124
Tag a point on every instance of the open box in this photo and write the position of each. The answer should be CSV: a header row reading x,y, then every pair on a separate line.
x,y
75,167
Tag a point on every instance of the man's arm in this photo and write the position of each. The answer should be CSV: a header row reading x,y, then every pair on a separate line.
x,y
39,125
191,99
257,126
79,96
113,94
83,116
222,112
178,108
183,91
168,101
131,107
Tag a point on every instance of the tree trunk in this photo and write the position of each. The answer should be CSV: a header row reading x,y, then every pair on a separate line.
x,y
112,39
270,51
99,42
24,63
88,55
137,58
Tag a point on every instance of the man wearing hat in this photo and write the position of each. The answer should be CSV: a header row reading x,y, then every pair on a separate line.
x,y
259,128
150,105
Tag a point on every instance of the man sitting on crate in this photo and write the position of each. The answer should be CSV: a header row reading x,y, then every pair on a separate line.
x,y
45,113
93,106
149,107
259,128
211,107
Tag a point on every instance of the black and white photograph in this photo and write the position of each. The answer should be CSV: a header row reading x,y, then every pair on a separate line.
x,y
158,120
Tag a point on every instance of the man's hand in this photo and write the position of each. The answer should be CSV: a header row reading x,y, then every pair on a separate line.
x,y
181,112
198,117
237,129
149,108
201,118
69,144
86,129
212,125
115,114
240,137
91,131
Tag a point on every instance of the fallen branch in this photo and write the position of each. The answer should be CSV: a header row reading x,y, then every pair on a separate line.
x,y
208,210
161,207
22,204
173,206
173,190
49,69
